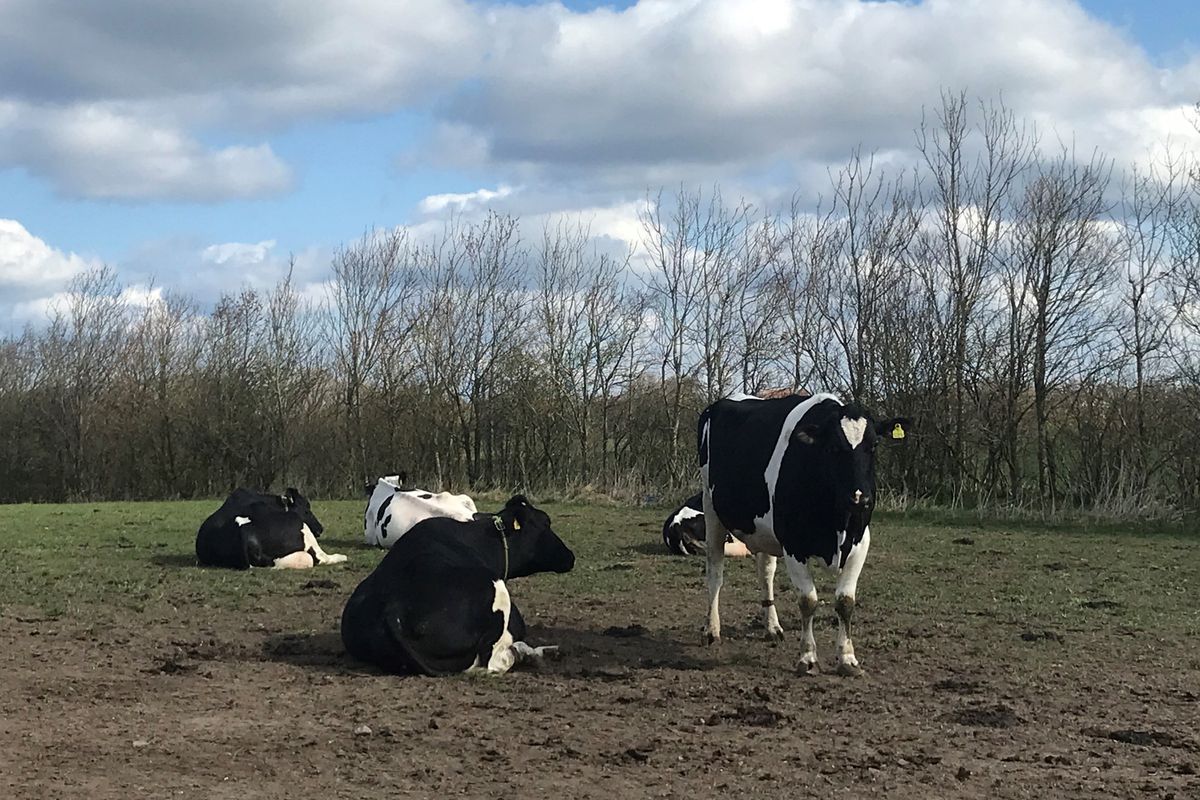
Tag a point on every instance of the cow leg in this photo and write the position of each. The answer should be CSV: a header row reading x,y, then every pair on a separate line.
x,y
714,548
504,655
314,550
766,564
296,560
803,582
843,604
525,653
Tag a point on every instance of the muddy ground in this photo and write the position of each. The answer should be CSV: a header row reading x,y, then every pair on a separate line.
x,y
999,664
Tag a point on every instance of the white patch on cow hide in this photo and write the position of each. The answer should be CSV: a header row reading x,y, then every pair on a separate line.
x,y
319,556
407,507
739,396
241,521
687,512
766,523
854,429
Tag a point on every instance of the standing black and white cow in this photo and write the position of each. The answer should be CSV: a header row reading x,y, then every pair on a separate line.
x,y
393,510
792,477
683,531
438,602
253,529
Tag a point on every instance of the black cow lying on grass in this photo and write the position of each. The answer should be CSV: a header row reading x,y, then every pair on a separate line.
x,y
437,603
683,532
252,529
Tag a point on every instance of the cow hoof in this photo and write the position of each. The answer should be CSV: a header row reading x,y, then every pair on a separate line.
x,y
848,670
335,558
549,651
709,639
808,668
775,635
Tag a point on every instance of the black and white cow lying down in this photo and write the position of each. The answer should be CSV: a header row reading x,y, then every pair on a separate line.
x,y
253,529
392,510
438,602
683,532
792,477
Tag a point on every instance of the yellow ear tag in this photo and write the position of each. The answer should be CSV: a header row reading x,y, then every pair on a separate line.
x,y
517,525
897,432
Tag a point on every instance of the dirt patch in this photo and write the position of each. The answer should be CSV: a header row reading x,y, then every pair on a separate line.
x,y
996,715
754,716
1144,738
625,631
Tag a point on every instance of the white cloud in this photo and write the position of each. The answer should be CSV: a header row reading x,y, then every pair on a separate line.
x,y
603,101
142,296
120,116
28,264
99,151
695,90
438,203
238,252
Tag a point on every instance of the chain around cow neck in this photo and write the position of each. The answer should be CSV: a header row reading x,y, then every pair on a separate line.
x,y
504,540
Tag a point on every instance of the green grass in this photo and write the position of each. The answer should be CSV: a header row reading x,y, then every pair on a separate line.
x,y
107,561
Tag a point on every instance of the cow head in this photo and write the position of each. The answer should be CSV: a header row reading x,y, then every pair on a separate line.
x,y
532,545
297,503
844,441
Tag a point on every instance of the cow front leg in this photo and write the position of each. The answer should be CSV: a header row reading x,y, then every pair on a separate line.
x,y
843,604
803,582
714,548
534,655
766,564
315,552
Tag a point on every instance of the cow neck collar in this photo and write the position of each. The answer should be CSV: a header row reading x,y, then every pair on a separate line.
x,y
499,523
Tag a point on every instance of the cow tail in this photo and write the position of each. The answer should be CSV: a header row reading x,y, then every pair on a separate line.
x,y
702,430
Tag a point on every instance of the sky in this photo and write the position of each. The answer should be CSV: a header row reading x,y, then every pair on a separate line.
x,y
197,147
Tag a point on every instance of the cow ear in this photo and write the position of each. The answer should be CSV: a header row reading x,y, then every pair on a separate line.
x,y
401,478
516,513
894,429
805,434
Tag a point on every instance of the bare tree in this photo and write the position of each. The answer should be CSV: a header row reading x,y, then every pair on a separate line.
x,y
77,358
1067,257
373,282
973,170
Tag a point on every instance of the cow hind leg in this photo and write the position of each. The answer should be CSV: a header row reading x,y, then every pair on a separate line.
x,y
714,541
766,564
843,604
803,582
296,560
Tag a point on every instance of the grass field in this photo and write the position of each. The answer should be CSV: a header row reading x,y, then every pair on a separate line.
x,y
1000,663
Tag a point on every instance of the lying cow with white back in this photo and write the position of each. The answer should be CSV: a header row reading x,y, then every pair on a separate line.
x,y
392,510
683,532
438,603
253,529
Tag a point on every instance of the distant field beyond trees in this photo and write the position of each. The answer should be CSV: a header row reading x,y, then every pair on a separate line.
x,y
1033,308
